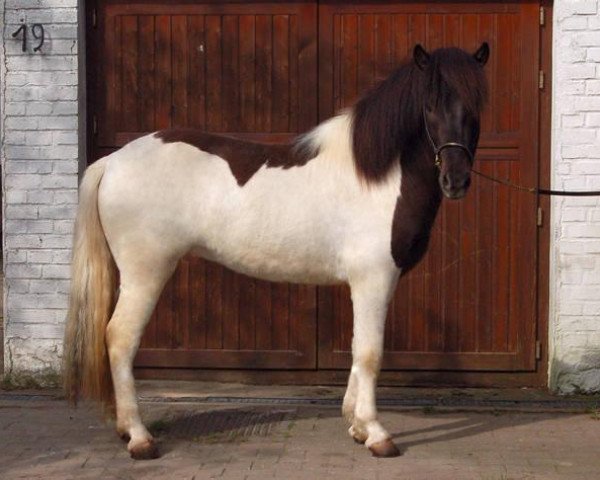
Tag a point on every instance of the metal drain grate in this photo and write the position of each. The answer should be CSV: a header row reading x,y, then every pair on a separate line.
x,y
26,397
226,424
560,403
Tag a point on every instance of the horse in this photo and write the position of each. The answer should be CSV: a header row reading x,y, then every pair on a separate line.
x,y
351,201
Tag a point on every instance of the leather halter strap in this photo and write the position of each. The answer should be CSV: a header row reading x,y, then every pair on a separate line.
x,y
438,150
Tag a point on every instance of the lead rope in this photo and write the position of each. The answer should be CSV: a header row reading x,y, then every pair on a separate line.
x,y
538,191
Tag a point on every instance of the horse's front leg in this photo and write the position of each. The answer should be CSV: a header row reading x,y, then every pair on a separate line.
x,y
370,298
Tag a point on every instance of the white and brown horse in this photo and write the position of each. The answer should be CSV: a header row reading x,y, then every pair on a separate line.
x,y
352,201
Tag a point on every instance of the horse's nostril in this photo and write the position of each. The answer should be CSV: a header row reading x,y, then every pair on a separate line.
x,y
446,181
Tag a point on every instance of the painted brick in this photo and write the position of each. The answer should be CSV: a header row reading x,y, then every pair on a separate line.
x,y
13,257
59,181
592,119
56,271
575,243
66,227
576,120
21,212
23,270
39,127
592,87
574,23
60,167
61,257
40,256
593,54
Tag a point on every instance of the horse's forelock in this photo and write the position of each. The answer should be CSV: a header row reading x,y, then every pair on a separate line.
x,y
453,73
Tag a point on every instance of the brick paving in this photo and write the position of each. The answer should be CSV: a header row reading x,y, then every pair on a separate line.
x,y
43,438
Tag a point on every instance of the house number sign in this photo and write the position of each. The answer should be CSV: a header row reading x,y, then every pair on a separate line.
x,y
37,30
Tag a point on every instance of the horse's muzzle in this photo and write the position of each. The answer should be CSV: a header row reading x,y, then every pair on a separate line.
x,y
454,187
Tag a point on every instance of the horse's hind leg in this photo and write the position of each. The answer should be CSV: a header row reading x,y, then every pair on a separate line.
x,y
370,298
138,295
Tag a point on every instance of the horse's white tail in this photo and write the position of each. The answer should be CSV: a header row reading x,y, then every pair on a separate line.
x,y
86,369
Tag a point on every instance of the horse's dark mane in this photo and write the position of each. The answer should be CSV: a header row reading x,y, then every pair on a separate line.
x,y
389,117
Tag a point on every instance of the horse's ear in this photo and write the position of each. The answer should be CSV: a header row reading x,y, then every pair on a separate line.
x,y
421,56
482,54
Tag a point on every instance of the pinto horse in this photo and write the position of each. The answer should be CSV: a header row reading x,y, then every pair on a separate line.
x,y
352,201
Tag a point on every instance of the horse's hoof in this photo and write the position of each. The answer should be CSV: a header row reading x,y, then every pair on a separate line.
x,y
147,450
385,448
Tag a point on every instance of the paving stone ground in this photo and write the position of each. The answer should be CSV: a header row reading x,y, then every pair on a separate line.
x,y
42,438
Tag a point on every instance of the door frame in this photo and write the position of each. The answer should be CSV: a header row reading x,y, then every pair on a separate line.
x,y
538,378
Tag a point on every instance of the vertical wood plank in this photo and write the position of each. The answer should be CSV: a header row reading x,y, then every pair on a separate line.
x,y
248,326
196,81
501,301
280,112
294,56
214,79
366,52
130,92
147,73
487,32
349,59
230,313
198,316
469,226
263,317
247,42
230,83
280,305
503,98
181,62
164,70
214,306
383,48
264,72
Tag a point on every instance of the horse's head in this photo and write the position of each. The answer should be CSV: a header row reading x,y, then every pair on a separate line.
x,y
454,94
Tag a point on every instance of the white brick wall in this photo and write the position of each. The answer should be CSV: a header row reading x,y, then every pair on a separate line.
x,y
40,165
575,250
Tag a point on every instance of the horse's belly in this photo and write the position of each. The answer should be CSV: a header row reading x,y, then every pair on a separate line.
x,y
275,255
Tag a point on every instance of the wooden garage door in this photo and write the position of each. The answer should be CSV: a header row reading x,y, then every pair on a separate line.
x,y
247,70
251,70
470,304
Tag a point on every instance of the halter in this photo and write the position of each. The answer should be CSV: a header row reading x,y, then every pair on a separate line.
x,y
438,150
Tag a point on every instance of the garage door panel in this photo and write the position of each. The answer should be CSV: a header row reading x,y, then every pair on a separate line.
x,y
235,68
473,295
227,68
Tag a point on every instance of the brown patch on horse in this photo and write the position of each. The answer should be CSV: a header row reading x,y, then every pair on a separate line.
x,y
416,208
371,362
244,158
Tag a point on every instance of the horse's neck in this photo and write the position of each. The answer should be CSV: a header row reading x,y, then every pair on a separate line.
x,y
419,187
